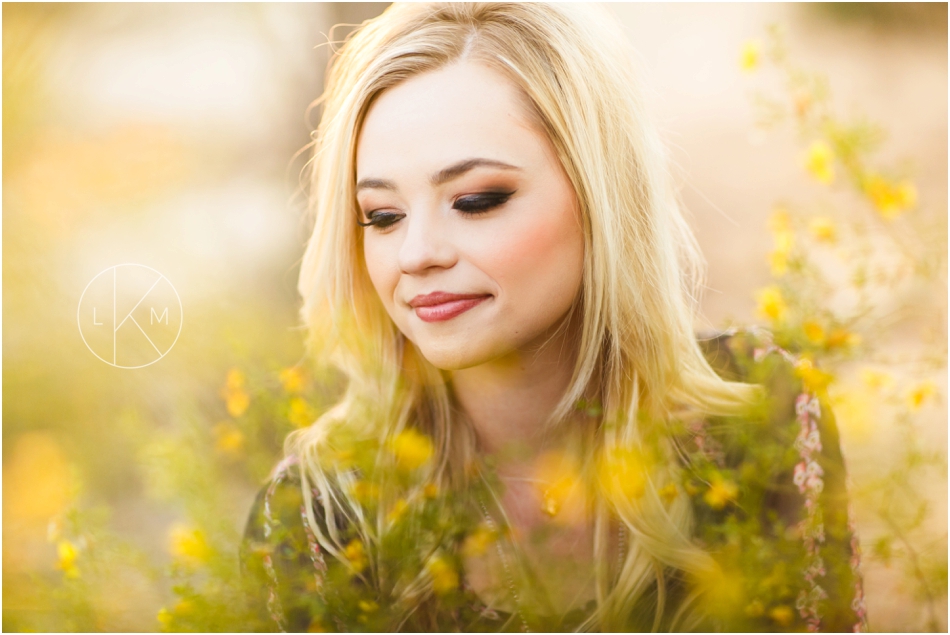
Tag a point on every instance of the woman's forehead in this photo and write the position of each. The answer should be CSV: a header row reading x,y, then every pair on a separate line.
x,y
437,118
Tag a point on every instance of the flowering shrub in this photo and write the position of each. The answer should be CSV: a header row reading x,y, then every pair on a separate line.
x,y
848,270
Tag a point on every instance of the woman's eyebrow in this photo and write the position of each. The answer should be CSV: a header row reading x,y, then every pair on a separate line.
x,y
375,184
458,169
441,177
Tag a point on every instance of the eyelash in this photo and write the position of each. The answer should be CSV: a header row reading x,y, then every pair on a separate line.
x,y
477,204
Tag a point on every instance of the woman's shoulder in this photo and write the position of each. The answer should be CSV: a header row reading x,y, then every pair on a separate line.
x,y
280,557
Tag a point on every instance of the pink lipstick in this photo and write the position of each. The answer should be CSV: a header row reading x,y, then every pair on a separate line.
x,y
440,306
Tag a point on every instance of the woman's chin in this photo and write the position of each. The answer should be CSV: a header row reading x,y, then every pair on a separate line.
x,y
455,355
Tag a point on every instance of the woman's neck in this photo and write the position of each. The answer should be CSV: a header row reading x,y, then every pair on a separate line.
x,y
508,400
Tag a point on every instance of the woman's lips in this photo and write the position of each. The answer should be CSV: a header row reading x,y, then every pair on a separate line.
x,y
447,310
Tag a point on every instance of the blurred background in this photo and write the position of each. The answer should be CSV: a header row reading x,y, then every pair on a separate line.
x,y
167,135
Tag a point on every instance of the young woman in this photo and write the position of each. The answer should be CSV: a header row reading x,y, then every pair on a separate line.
x,y
500,268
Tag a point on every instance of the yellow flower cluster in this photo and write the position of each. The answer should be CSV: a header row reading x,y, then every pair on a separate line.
x,y
820,162
412,449
920,394
559,475
823,229
784,238
235,396
835,338
445,578
477,542
890,199
813,378
292,379
356,555
167,618
750,55
189,545
721,492
228,440
399,508
299,413
771,303
365,492
622,473
67,554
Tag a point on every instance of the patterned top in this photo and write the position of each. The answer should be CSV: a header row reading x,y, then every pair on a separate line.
x,y
786,534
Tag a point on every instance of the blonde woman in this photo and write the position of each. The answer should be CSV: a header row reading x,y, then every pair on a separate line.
x,y
501,271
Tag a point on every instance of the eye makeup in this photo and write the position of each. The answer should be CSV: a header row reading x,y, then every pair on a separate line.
x,y
468,204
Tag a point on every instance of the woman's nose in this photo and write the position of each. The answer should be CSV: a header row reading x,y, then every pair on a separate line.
x,y
427,242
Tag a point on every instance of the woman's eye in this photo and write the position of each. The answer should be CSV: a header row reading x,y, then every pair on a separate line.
x,y
478,203
380,220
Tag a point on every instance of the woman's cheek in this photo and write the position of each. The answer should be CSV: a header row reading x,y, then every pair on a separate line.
x,y
381,274
532,259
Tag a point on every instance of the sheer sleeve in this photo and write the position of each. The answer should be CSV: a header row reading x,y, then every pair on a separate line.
x,y
282,564
796,468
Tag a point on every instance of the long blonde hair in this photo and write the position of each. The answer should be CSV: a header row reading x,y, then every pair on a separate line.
x,y
642,269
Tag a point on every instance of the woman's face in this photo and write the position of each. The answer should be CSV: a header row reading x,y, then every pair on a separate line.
x,y
469,199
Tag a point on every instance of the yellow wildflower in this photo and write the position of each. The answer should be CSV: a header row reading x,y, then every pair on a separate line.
x,y
365,492
876,379
66,561
669,493
299,413
412,449
444,576
430,491
237,403
784,239
906,195
820,162
236,398
842,338
722,591
721,491
750,55
477,542
920,394
559,475
228,440
771,303
622,473
814,332
782,615
235,379
813,378
823,229
778,263
368,606
164,618
356,555
399,508
292,379
189,544
183,607
889,199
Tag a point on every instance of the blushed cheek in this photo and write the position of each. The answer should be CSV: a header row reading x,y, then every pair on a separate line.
x,y
534,260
